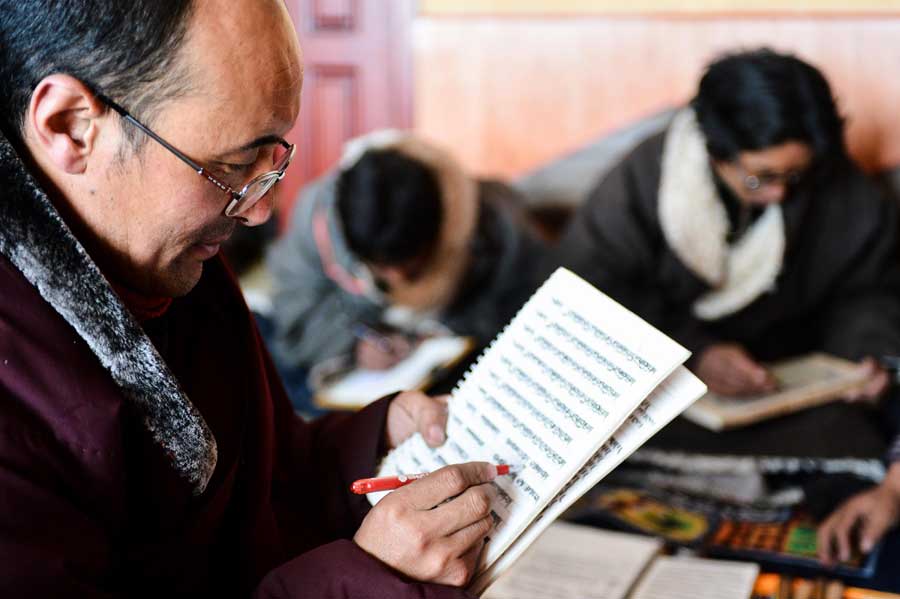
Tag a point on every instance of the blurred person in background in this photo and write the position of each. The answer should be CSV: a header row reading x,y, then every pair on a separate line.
x,y
747,233
395,244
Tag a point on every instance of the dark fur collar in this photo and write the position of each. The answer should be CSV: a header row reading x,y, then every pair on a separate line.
x,y
35,239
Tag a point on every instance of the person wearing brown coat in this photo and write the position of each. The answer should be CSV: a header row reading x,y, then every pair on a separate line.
x,y
746,232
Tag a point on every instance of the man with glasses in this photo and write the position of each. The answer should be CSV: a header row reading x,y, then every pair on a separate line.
x,y
746,232
147,447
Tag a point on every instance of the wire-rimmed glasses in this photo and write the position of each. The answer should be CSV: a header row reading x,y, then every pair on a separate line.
x,y
241,201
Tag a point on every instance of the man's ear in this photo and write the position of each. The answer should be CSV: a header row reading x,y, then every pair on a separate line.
x,y
62,121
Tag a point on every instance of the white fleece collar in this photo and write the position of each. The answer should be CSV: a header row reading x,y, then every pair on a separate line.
x,y
695,225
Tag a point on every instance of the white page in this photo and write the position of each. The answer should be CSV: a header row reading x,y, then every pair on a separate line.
x,y
552,388
668,400
361,387
577,561
695,578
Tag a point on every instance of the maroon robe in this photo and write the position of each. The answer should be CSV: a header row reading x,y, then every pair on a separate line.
x,y
91,504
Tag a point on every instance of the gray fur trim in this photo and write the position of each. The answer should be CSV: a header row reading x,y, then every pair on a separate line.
x,y
36,240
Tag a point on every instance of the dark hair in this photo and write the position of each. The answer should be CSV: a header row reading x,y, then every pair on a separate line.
x,y
390,207
753,100
125,50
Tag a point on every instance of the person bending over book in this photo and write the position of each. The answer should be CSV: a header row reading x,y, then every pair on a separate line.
x,y
397,238
746,232
147,447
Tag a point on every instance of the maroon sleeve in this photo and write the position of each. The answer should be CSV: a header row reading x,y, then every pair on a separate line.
x,y
312,464
315,464
347,447
343,570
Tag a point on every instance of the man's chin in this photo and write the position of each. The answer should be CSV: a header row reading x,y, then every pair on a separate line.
x,y
180,279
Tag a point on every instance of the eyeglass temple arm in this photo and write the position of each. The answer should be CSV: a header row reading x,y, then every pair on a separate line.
x,y
124,114
200,170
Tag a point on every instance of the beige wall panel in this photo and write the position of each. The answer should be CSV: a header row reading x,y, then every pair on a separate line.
x,y
520,7
508,94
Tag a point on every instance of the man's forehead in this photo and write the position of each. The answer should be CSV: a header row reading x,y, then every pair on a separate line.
x,y
246,59
790,154
230,23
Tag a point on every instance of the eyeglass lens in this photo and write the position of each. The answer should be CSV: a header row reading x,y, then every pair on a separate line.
x,y
254,191
754,182
260,186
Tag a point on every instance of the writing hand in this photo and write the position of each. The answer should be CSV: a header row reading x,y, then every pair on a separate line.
x,y
433,529
384,353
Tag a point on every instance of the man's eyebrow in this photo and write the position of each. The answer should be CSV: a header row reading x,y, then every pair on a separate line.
x,y
265,140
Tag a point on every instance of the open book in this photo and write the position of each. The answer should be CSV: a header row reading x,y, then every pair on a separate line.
x,y
803,382
358,388
570,560
681,577
573,385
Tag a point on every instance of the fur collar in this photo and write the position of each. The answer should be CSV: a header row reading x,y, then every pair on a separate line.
x,y
36,241
459,196
695,225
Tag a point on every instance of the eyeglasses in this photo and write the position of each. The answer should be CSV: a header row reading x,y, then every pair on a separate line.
x,y
241,201
766,179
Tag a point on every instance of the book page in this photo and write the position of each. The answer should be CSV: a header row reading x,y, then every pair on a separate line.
x,y
360,387
695,578
552,388
668,400
578,561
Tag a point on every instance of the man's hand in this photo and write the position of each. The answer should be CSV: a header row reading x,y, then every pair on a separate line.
x,y
384,352
417,531
727,369
867,515
413,411
874,388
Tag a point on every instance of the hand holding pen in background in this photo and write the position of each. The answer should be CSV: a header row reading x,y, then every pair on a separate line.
x,y
379,350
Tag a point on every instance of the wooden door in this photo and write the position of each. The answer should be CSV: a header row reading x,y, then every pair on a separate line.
x,y
358,77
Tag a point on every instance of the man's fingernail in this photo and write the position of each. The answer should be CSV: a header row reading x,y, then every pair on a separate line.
x,y
436,434
492,471
866,545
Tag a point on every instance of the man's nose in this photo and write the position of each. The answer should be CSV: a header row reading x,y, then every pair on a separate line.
x,y
775,192
260,212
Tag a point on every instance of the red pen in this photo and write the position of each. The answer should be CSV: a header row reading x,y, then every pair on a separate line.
x,y
389,483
